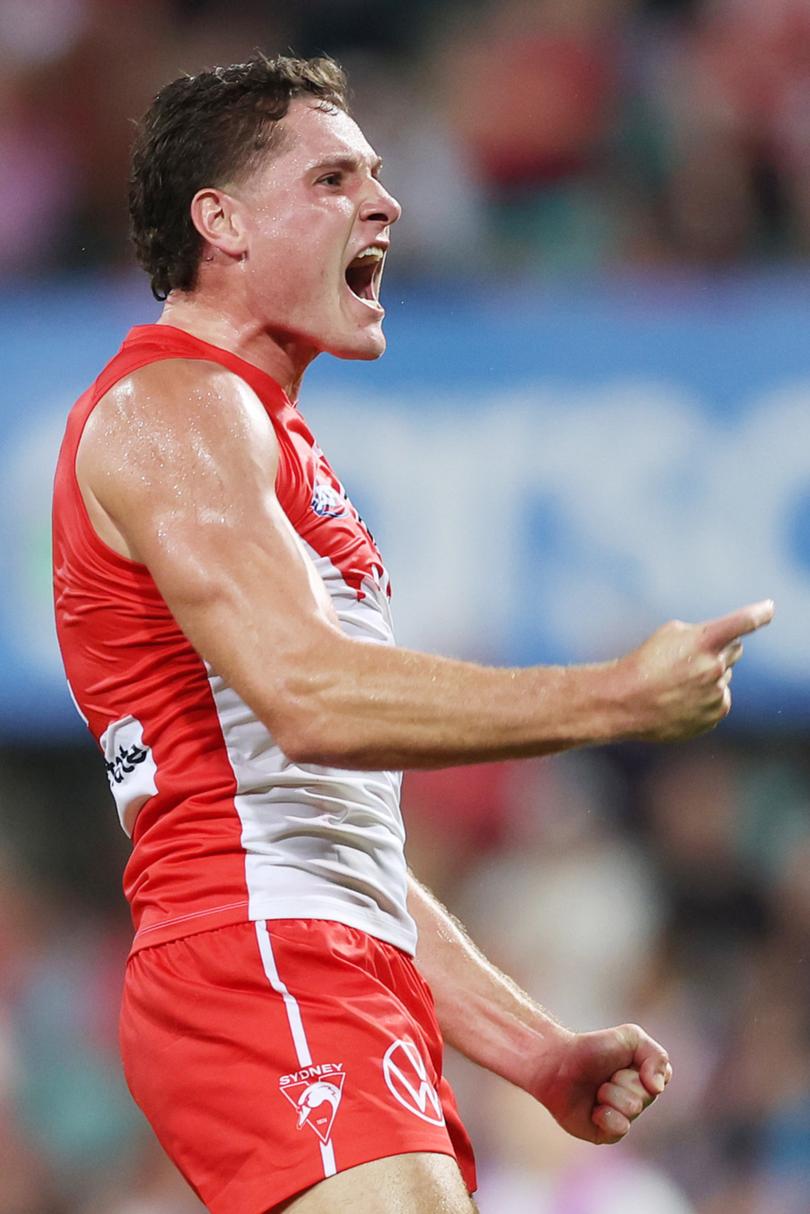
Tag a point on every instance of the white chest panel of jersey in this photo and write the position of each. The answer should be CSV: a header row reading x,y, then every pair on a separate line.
x,y
320,842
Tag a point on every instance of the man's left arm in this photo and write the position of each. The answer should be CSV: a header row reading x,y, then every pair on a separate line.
x,y
593,1084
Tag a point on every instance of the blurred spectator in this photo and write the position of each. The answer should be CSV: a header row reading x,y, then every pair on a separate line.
x,y
532,89
715,906
537,900
735,100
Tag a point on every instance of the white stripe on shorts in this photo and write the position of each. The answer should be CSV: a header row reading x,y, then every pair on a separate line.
x,y
296,1024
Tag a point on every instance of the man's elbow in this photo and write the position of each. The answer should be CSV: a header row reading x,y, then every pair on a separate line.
x,y
308,740
310,733
312,710
299,739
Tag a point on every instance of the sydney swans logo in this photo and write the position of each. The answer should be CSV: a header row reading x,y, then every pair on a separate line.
x,y
315,1093
407,1078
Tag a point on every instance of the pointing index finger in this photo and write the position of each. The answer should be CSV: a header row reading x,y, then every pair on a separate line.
x,y
720,632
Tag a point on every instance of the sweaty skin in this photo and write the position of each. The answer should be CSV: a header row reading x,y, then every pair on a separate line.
x,y
177,467
190,490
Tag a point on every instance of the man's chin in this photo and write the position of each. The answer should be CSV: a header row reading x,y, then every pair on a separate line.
x,y
365,345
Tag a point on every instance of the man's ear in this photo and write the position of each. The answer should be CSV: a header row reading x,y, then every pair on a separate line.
x,y
218,218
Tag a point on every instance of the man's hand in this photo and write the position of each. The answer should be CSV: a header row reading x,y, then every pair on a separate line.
x,y
678,680
596,1084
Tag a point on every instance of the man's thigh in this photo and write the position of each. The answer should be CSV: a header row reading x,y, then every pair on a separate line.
x,y
418,1183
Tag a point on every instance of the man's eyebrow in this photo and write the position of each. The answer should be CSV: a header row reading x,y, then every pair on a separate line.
x,y
348,163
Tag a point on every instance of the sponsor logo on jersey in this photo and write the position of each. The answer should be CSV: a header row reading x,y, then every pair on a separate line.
x,y
327,502
125,761
131,768
315,1093
407,1079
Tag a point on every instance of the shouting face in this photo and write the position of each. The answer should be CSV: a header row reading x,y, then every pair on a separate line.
x,y
309,233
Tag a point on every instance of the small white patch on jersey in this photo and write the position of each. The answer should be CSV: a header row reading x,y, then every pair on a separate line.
x,y
131,769
407,1079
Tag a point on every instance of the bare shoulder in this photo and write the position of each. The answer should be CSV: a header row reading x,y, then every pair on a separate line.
x,y
181,440
171,413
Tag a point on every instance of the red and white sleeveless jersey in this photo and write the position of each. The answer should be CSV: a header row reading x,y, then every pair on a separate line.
x,y
224,826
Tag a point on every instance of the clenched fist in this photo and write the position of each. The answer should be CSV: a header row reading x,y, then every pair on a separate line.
x,y
677,682
596,1084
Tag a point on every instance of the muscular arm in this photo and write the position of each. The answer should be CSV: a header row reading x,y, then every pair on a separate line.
x,y
594,1084
178,464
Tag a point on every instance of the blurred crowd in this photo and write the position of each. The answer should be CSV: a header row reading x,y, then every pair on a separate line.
x,y
668,887
560,135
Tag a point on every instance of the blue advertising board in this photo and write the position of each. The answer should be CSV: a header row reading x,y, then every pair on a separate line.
x,y
550,473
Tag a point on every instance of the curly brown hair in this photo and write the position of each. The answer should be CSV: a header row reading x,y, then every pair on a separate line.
x,y
206,130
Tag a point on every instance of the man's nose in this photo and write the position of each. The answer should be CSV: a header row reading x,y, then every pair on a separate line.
x,y
381,206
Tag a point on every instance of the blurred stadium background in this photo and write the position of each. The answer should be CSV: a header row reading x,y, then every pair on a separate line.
x,y
594,415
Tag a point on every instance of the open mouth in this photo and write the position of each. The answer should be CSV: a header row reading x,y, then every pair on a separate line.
x,y
363,275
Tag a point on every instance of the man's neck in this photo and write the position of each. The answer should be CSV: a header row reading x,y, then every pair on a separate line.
x,y
245,337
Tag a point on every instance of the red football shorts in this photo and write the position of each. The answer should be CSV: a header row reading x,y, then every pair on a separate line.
x,y
270,1055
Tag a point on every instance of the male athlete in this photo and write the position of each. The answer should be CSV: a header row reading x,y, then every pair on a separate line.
x,y
223,616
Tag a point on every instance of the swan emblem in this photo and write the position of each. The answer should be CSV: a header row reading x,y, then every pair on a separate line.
x,y
313,1097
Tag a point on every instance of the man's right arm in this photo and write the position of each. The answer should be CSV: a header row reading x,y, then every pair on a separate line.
x,y
177,466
